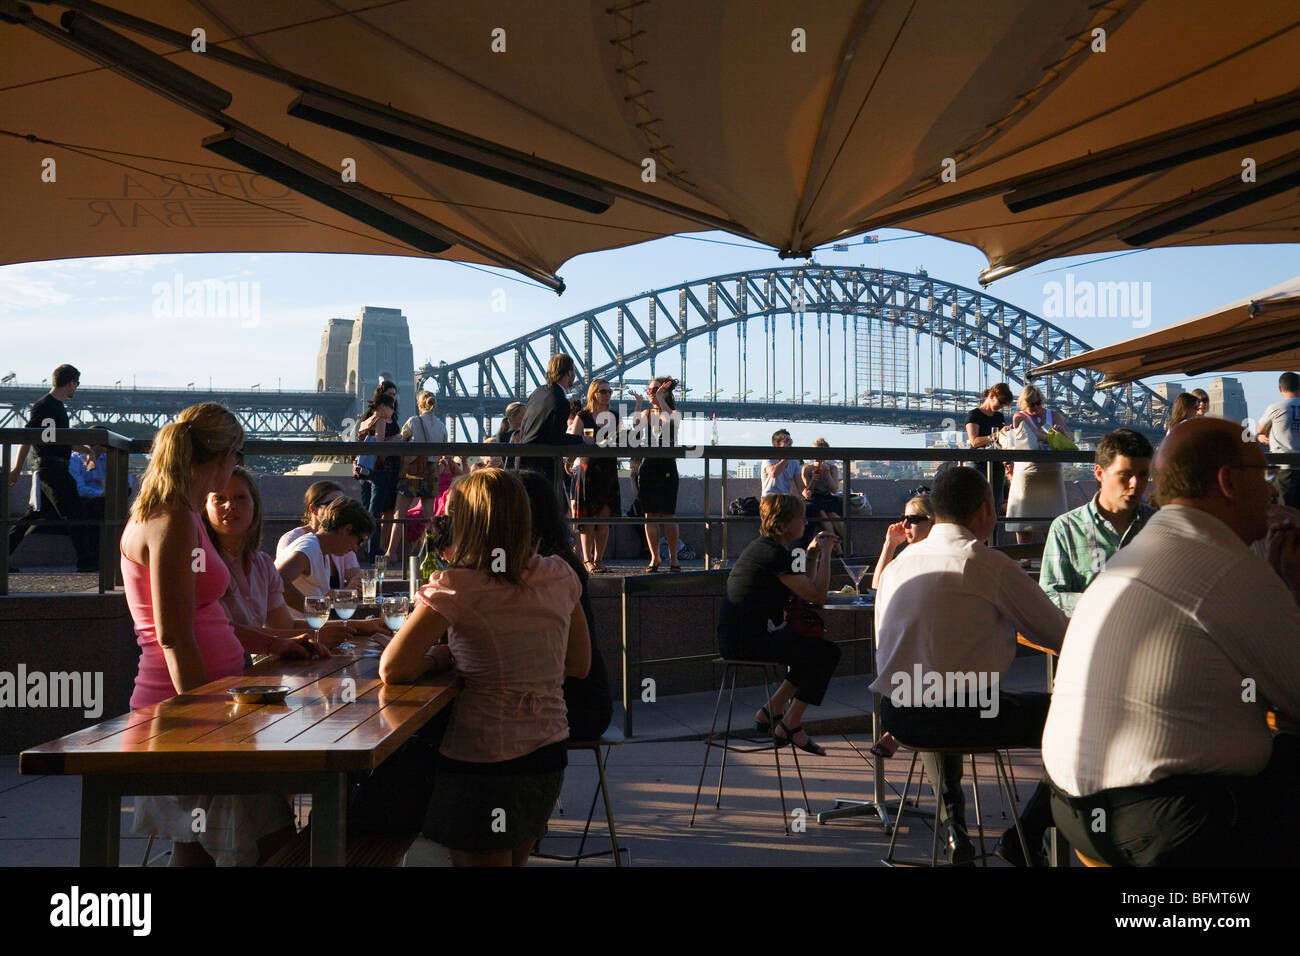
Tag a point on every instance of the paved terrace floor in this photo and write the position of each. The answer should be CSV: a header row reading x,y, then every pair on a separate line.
x,y
652,780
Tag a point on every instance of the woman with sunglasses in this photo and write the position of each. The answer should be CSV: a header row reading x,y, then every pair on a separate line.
x,y
595,480
1037,487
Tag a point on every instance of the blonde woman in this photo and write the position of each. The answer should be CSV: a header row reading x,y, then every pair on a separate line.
x,y
655,479
595,480
185,638
419,478
1037,488
502,758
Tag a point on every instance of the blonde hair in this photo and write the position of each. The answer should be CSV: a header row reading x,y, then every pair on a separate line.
x,y
922,502
200,434
1027,396
492,524
425,400
592,389
777,511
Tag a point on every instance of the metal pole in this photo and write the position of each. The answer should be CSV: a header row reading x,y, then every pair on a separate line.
x,y
4,519
708,525
848,512
723,513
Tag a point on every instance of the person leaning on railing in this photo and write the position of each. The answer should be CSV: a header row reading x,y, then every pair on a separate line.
x,y
753,625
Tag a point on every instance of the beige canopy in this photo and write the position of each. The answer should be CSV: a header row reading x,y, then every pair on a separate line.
x,y
1257,334
369,125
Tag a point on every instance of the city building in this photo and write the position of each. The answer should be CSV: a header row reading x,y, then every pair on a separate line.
x,y
356,353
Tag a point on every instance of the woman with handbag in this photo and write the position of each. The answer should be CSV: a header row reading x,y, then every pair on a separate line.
x,y
378,474
419,474
1037,488
766,617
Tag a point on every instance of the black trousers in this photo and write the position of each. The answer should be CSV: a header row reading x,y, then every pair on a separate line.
x,y
58,498
812,660
1192,820
1289,482
1018,723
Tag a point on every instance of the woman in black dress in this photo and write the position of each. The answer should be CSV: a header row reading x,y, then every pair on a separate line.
x,y
655,479
752,623
595,480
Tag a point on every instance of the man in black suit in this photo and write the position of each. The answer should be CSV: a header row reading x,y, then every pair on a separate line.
x,y
546,416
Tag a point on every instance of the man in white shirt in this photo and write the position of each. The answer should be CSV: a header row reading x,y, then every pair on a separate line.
x,y
781,476
947,613
1279,428
1157,743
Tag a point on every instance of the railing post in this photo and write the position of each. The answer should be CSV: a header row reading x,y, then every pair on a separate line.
x,y
114,520
708,525
4,519
847,545
723,514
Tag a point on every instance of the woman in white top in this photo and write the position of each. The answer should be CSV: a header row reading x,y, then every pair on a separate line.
x,y
345,569
254,602
419,477
1037,488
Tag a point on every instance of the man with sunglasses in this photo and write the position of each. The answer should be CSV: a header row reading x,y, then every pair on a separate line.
x,y
1158,743
1080,542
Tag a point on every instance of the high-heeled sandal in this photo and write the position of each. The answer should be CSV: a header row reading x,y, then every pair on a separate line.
x,y
811,747
765,726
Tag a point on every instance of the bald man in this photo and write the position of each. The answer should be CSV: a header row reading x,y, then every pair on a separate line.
x,y
1157,742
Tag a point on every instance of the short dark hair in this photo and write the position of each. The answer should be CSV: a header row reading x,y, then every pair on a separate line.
x,y
65,375
346,511
1122,441
778,433
959,493
1289,382
1191,469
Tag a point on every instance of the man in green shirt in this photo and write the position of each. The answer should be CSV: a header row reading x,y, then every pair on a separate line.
x,y
1080,542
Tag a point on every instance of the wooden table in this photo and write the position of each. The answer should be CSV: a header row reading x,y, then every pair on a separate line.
x,y
339,719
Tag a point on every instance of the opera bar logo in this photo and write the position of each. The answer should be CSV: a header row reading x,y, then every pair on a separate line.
x,y
952,689
208,299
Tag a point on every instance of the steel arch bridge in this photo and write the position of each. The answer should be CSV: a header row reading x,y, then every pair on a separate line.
x,y
879,374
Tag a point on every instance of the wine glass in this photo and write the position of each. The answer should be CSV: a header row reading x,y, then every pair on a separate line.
x,y
381,565
345,605
856,573
317,611
394,609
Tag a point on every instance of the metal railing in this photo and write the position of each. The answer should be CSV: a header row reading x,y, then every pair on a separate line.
x,y
118,448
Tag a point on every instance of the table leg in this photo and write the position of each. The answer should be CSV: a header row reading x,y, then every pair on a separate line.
x,y
101,822
329,807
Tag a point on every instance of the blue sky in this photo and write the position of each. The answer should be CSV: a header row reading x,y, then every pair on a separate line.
x,y
100,314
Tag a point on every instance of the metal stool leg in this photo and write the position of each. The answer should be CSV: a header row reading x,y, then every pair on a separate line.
x,y
708,745
1003,780
979,817
893,839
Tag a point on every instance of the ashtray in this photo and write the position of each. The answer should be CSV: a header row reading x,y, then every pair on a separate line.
x,y
260,693
835,597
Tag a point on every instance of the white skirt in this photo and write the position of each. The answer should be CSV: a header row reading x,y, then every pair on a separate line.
x,y
228,828
1035,493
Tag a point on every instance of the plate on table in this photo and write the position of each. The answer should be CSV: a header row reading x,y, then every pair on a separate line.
x,y
837,597
260,693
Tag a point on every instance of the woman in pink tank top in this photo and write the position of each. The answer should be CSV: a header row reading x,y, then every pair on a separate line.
x,y
174,578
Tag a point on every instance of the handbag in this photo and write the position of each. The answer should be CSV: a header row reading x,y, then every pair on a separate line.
x,y
415,468
801,620
367,462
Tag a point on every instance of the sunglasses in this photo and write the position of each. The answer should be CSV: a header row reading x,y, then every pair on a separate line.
x,y
914,519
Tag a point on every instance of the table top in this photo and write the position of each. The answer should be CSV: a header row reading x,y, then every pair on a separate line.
x,y
339,717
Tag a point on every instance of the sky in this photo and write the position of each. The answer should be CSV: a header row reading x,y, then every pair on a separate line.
x,y
110,317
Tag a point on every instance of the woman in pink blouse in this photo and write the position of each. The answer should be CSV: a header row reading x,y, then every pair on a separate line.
x,y
254,602
513,629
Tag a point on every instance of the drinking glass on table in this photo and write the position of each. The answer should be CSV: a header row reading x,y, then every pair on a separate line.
x,y
395,609
317,611
369,585
856,573
345,605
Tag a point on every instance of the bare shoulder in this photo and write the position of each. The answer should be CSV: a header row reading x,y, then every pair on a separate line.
x,y
168,524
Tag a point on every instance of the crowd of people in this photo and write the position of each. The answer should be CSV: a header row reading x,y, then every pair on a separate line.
x,y
1174,618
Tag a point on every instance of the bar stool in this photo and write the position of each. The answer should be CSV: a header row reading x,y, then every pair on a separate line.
x,y
1004,789
612,737
772,672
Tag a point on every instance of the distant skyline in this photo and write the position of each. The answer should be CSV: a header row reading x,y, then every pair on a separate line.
x,y
116,318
